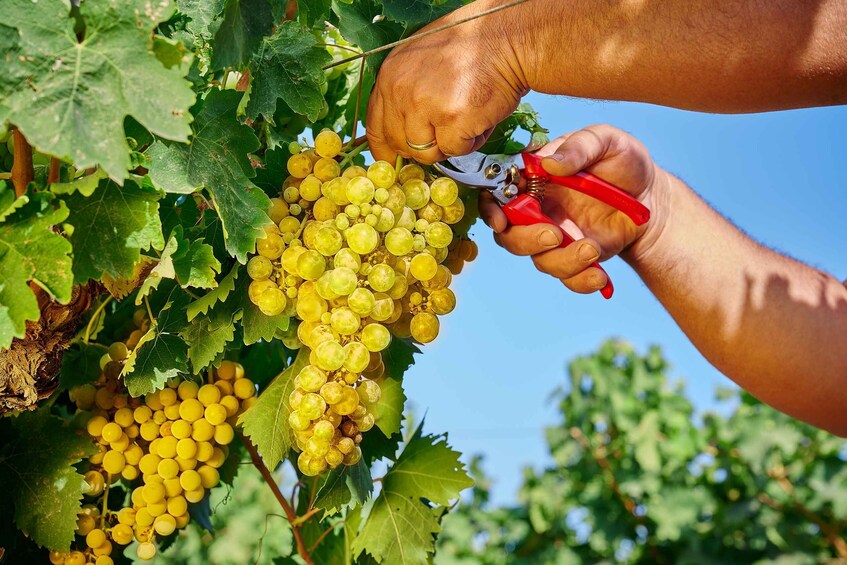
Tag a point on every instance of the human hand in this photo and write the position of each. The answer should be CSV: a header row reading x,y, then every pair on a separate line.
x,y
600,231
451,87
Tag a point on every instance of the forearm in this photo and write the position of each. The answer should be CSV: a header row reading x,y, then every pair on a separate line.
x,y
709,55
775,326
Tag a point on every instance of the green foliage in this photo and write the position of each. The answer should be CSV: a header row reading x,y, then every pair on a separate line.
x,y
165,127
50,490
84,90
30,251
634,479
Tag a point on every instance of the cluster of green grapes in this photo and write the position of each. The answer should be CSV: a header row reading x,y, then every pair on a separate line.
x,y
169,445
356,255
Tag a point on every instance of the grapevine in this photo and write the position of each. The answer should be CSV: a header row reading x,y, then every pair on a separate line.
x,y
196,256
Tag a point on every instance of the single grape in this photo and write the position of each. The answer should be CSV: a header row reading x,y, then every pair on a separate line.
x,y
325,209
327,169
453,213
381,277
444,191
439,235
259,268
383,307
310,265
385,220
336,190
417,193
409,172
360,190
327,144
432,212
310,189
312,406
291,194
423,266
424,327
289,224
399,241
362,238
330,355
442,301
354,171
311,379
356,357
375,337
299,165
382,174
328,241
272,302
361,301
345,321
343,281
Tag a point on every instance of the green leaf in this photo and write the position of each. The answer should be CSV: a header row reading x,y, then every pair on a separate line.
x,y
163,270
202,14
645,438
217,159
399,356
85,185
86,89
207,337
345,485
36,470
266,423
524,117
191,263
416,13
288,67
356,24
31,251
388,411
161,353
244,24
219,294
9,202
81,364
111,227
429,469
400,526
314,12
399,530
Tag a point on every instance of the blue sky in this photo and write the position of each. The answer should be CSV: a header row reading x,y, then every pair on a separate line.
x,y
781,177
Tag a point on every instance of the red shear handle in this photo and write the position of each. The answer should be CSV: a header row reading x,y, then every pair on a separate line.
x,y
526,211
592,186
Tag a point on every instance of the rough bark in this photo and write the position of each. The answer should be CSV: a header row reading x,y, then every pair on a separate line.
x,y
29,369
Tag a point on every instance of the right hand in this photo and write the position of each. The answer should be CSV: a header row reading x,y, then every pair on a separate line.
x,y
452,86
600,231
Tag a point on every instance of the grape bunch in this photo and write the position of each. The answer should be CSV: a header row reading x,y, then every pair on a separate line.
x,y
356,255
168,445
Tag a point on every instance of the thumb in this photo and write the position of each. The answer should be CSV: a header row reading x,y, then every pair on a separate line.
x,y
576,152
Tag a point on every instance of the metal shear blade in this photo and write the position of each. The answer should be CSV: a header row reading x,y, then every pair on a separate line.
x,y
487,172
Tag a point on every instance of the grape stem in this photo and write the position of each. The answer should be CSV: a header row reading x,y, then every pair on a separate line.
x,y
93,318
358,99
393,44
290,514
348,157
264,533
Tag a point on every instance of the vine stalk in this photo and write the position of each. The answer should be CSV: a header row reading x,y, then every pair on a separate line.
x,y
23,172
290,514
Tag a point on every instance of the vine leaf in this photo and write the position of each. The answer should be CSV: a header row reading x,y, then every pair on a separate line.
x,y
85,185
219,294
191,263
526,118
399,356
244,24
357,25
416,13
161,353
266,423
85,90
388,411
429,469
314,12
345,485
217,159
400,526
208,334
81,364
31,251
202,16
288,67
111,227
49,490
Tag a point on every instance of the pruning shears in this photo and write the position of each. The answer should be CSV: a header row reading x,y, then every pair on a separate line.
x,y
501,175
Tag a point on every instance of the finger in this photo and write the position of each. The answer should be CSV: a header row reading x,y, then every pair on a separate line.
x,y
420,131
529,240
567,262
453,141
491,213
377,143
576,152
588,281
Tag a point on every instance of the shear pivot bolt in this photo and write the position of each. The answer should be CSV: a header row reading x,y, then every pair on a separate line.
x,y
492,171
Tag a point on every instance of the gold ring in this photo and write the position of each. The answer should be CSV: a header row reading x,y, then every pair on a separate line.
x,y
421,146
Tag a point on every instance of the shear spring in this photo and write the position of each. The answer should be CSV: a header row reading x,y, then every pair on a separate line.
x,y
535,187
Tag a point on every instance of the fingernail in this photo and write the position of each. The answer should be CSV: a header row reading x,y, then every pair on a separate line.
x,y
558,157
547,238
598,281
587,253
